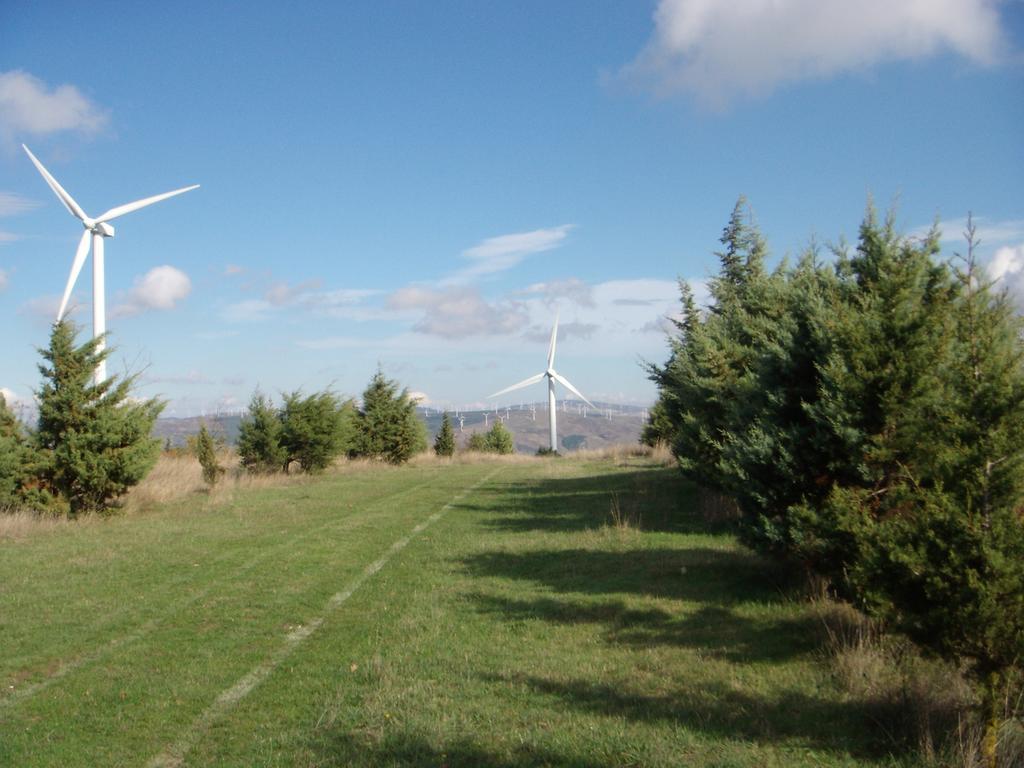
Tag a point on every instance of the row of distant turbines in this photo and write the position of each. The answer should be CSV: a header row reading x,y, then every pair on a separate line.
x,y
99,228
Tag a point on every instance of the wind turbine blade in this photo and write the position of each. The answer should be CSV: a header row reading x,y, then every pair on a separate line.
x,y
69,202
76,267
121,210
551,347
565,383
520,385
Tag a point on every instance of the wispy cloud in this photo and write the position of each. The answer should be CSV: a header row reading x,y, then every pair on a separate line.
x,y
4,280
160,288
457,312
720,51
497,254
281,292
571,288
28,107
188,378
248,311
987,231
341,342
43,309
565,331
12,204
216,335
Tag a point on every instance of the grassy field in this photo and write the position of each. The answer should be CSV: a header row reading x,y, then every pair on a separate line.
x,y
559,612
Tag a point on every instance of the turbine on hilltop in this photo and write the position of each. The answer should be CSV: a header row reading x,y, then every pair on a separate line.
x,y
95,230
552,376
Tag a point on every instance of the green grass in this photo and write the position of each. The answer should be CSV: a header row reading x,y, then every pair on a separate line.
x,y
520,628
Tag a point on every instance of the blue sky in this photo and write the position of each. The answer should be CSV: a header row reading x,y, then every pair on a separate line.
x,y
421,186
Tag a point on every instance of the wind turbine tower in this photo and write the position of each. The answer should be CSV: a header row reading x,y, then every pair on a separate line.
x,y
95,230
552,376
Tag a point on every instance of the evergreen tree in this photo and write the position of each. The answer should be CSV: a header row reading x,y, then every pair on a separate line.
x,y
866,417
259,438
206,452
444,443
94,440
658,428
499,440
315,429
477,442
13,458
388,425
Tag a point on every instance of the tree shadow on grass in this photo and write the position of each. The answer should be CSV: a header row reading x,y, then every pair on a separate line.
x,y
343,748
726,711
714,631
649,499
696,574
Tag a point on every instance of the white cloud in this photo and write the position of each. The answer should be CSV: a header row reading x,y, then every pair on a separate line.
x,y
718,51
457,312
8,237
1007,269
4,280
28,107
497,254
25,407
160,288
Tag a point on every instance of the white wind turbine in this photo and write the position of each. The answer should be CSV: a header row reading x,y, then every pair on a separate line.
x,y
95,230
552,376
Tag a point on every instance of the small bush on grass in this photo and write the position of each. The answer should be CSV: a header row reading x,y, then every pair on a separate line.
x,y
206,453
496,440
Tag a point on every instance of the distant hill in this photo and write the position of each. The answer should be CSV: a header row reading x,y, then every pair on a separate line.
x,y
177,430
529,428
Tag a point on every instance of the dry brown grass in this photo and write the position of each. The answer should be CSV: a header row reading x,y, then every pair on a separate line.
x,y
716,508
622,453
923,703
20,525
177,477
429,458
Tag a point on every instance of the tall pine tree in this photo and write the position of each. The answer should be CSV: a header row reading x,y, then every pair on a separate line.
x,y
95,440
259,438
389,428
444,443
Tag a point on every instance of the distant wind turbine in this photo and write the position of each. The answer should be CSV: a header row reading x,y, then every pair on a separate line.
x,y
552,376
95,229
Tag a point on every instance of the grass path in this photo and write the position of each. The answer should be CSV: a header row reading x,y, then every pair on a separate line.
x,y
462,615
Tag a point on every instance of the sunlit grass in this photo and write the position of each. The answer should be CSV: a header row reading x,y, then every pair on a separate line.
x,y
568,612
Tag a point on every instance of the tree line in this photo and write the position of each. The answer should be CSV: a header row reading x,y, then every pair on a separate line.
x,y
93,442
866,414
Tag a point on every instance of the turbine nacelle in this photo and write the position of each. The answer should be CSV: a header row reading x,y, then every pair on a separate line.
x,y
98,227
